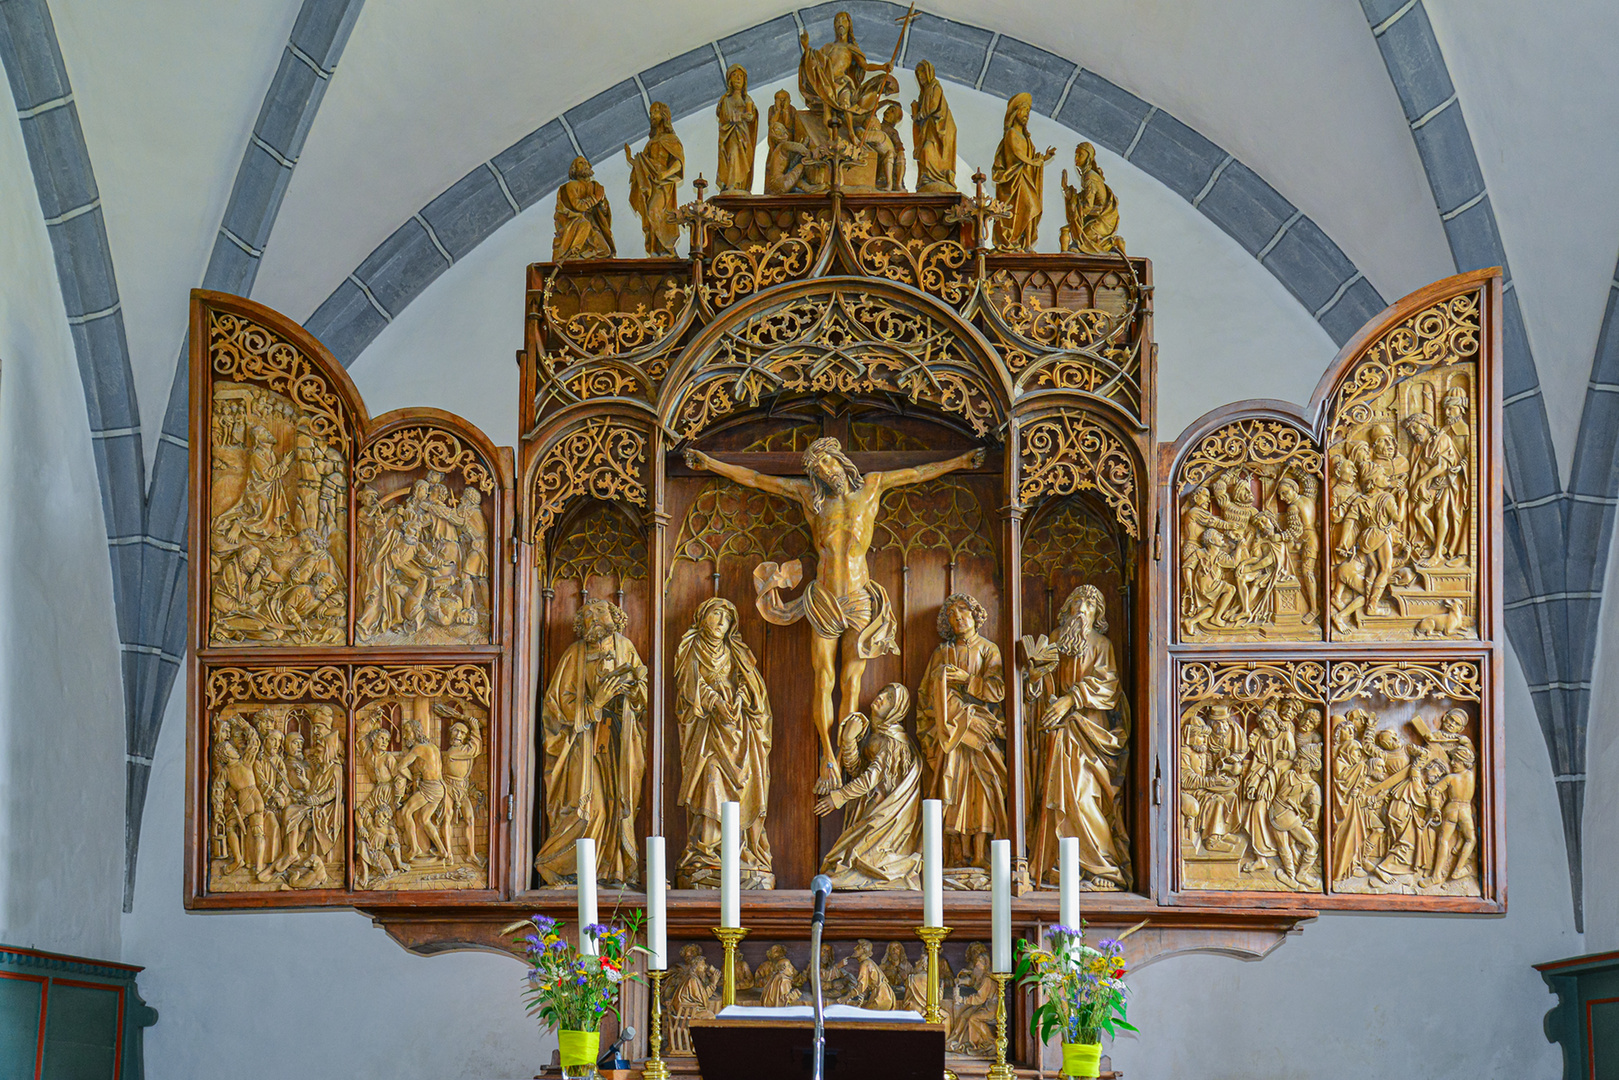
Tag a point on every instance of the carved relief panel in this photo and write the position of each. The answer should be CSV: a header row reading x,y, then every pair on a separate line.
x,y
276,778
279,437
1402,494
425,515
421,784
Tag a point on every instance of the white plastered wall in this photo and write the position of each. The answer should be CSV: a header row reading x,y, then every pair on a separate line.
x,y
321,995
61,700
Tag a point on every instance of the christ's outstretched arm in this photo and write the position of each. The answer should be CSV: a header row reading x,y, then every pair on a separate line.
x,y
921,473
775,485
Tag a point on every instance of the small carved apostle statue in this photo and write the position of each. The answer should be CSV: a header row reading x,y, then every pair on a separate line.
x,y
584,220
871,989
973,999
691,992
1019,175
1073,699
933,130
725,731
881,843
776,979
960,727
739,133
593,721
655,174
1091,208
897,966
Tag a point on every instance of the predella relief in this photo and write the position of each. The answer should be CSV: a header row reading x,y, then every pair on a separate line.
x,y
278,523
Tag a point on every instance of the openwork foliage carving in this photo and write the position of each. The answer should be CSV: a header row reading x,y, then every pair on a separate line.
x,y
602,459
1067,452
1404,680
1267,444
943,516
229,684
244,351
1442,334
423,447
602,543
466,682
1067,539
728,521
939,267
736,273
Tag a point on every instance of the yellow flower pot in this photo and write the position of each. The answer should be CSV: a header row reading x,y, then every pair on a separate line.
x,y
580,1049
1081,1059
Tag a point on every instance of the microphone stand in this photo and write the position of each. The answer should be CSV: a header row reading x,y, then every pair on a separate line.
x,y
818,1060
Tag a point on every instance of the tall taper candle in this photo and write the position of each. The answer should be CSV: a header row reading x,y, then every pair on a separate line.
x,y
1000,905
730,864
1068,878
584,855
932,862
657,906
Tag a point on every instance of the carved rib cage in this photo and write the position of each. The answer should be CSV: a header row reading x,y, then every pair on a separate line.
x,y
1336,625
344,555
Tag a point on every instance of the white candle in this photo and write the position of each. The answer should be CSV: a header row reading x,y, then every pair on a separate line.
x,y
584,856
1068,879
657,906
731,864
932,862
1000,905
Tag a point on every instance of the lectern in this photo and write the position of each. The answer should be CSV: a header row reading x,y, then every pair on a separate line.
x,y
855,1049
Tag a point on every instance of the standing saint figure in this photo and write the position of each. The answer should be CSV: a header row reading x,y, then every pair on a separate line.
x,y
881,843
843,604
739,133
724,716
584,220
1091,208
1081,748
933,130
1019,175
593,722
960,727
655,173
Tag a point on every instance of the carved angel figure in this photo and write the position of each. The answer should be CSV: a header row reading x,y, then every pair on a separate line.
x,y
725,732
593,721
1083,727
881,843
960,727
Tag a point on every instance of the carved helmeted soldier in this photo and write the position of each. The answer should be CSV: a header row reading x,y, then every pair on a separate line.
x,y
655,174
1074,700
593,726
842,605
960,728
881,843
723,711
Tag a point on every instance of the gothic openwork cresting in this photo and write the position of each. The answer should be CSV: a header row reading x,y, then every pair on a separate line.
x,y
843,498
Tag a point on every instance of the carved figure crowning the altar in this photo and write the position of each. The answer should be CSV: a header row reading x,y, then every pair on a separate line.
x,y
842,604
739,133
933,130
1083,728
839,83
655,175
725,733
881,843
960,727
1019,176
1091,208
584,220
593,723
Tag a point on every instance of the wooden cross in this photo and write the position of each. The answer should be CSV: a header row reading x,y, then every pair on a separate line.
x,y
980,210
701,215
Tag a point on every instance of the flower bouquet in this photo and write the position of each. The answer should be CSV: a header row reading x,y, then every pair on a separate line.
x,y
1082,995
570,990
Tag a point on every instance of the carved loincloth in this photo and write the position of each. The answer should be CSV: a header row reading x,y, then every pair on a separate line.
x,y
868,611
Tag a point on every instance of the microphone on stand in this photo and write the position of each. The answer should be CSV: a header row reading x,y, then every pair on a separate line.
x,y
821,886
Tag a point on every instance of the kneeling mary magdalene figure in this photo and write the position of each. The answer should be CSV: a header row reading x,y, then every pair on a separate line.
x,y
724,715
1082,723
881,843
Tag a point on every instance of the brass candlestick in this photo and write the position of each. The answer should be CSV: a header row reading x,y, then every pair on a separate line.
x,y
730,937
1000,1070
655,1069
933,937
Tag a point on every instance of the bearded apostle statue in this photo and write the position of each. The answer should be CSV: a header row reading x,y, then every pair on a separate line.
x,y
593,722
881,843
584,221
724,716
655,174
960,727
1081,722
1019,175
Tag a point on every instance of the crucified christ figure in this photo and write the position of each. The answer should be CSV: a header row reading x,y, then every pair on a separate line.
x,y
842,604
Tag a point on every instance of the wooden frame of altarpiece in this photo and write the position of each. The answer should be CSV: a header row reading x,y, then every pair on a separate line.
x,y
878,319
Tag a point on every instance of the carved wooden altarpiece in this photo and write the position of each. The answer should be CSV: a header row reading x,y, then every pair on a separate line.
x,y
1261,664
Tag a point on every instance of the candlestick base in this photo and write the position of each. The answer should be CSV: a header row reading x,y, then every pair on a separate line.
x,y
1000,1070
932,937
730,937
655,1068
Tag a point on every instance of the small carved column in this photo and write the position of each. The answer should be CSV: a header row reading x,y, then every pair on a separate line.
x,y
1011,628
657,572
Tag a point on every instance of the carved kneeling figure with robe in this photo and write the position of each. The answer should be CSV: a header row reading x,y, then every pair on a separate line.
x,y
881,843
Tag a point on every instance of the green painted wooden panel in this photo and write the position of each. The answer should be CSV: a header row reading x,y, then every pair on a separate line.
x,y
1604,1016
81,1033
19,1026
